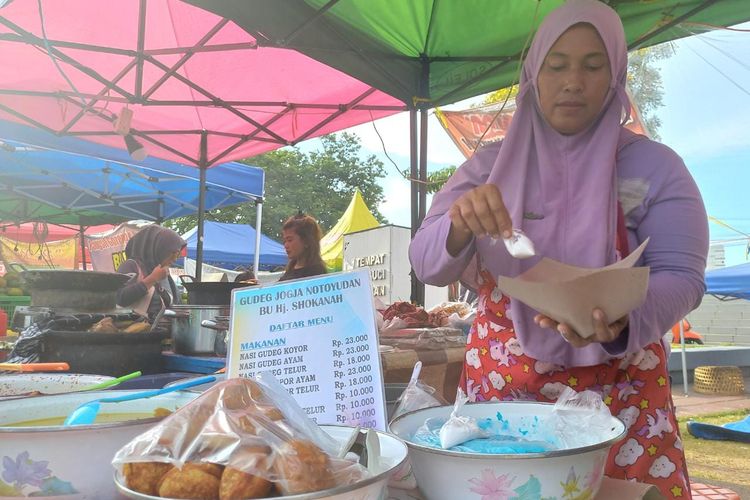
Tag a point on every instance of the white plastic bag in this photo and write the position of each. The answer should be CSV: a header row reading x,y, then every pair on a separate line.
x,y
460,428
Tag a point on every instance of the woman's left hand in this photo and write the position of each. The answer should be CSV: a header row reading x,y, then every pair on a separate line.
x,y
603,330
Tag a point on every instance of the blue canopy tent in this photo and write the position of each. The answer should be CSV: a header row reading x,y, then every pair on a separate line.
x,y
729,283
230,246
66,180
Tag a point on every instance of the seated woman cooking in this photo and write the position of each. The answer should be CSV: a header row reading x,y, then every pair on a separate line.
x,y
301,235
149,254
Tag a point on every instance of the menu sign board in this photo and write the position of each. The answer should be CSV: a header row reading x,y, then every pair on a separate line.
x,y
319,339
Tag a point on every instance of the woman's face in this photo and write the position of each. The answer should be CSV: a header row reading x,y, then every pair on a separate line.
x,y
293,244
574,79
169,260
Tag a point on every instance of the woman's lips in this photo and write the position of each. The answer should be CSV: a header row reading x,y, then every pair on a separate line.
x,y
571,104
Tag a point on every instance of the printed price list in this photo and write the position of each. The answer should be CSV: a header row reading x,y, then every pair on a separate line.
x,y
356,398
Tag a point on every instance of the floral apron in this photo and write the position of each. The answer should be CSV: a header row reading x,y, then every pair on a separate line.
x,y
636,389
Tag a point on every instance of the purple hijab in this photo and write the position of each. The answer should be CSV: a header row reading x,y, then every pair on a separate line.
x,y
152,245
559,189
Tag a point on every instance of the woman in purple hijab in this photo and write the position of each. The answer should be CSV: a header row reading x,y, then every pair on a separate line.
x,y
149,254
586,191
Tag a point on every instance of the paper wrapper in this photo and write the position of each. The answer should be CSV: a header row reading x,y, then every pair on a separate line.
x,y
569,294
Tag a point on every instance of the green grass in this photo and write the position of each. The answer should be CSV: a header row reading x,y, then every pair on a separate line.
x,y
726,461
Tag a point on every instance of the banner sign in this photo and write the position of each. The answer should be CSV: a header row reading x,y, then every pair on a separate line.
x,y
319,339
59,254
107,250
489,123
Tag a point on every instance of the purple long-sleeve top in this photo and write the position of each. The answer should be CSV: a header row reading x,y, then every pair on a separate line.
x,y
660,200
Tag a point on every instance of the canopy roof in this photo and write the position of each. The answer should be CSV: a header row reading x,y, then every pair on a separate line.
x,y
430,52
202,90
230,246
356,217
65,180
729,282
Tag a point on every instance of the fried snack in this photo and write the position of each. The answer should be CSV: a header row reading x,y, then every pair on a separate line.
x,y
193,481
245,395
144,477
139,327
236,484
106,325
162,412
302,468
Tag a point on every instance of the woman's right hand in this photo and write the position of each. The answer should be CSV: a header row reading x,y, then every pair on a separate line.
x,y
479,212
159,273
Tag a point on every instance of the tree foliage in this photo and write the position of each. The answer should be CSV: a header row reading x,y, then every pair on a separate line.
x,y
645,83
436,179
319,183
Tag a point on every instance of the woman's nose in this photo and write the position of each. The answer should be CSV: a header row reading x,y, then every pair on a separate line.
x,y
573,82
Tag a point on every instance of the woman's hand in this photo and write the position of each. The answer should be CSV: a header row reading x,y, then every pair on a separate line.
x,y
159,273
603,330
479,212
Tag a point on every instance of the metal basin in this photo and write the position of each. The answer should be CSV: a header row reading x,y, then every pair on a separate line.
x,y
20,384
447,474
393,455
72,462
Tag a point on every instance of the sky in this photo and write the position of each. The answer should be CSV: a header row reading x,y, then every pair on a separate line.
x,y
705,119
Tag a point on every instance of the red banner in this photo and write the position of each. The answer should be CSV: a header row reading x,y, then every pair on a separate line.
x,y
490,123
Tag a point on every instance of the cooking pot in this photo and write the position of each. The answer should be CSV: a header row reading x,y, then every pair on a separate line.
x,y
220,325
188,335
46,450
210,293
89,291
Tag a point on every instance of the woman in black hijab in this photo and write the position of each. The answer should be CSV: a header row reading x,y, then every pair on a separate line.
x,y
149,254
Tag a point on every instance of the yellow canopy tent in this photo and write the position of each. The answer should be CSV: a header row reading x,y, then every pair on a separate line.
x,y
357,217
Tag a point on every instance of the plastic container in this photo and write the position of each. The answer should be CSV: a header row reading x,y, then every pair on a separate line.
x,y
8,304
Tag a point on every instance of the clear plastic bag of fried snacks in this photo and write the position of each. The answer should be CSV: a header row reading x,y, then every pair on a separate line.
x,y
240,439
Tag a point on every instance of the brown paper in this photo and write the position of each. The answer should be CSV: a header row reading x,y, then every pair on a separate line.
x,y
569,294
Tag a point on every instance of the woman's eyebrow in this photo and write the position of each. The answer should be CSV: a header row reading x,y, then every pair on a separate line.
x,y
590,55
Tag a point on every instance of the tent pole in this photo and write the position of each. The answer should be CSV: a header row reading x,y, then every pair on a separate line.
x,y
684,360
413,174
421,187
258,216
83,245
422,184
201,206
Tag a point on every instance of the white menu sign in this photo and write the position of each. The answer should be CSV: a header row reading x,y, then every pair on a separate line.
x,y
319,339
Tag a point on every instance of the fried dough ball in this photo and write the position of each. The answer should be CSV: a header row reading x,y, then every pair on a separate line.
x,y
243,394
302,467
162,412
236,485
193,481
144,477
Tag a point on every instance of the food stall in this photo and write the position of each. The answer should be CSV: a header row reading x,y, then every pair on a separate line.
x,y
316,338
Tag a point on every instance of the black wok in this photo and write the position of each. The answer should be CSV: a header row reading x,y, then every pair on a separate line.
x,y
209,293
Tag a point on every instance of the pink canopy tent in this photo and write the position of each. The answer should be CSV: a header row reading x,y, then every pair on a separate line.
x,y
202,90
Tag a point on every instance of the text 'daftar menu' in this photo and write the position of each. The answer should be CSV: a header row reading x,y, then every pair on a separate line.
x,y
318,338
